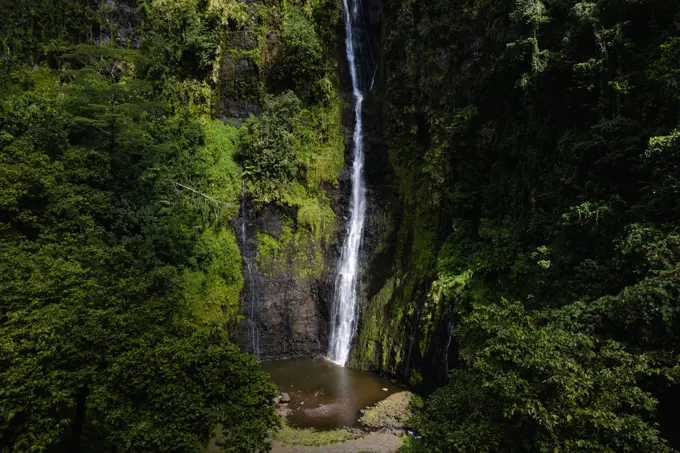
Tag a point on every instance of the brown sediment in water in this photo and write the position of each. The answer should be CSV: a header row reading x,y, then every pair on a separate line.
x,y
324,410
325,396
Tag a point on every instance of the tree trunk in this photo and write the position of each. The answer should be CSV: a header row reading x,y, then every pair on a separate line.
x,y
78,420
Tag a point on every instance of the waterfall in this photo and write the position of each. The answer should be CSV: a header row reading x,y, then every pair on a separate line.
x,y
343,314
250,279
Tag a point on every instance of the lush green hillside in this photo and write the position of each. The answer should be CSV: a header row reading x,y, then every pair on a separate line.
x,y
527,271
120,274
536,150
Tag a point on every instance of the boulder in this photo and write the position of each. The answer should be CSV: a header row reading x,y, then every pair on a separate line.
x,y
285,398
220,441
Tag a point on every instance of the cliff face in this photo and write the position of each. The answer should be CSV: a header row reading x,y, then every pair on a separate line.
x,y
399,243
289,274
282,289
119,23
288,269
288,226
521,144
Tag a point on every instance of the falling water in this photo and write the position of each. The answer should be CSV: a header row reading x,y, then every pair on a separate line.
x,y
343,316
250,277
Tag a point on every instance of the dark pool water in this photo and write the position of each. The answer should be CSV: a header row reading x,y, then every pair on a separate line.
x,y
324,395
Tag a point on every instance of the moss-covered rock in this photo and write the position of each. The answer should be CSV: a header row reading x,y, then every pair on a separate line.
x,y
391,413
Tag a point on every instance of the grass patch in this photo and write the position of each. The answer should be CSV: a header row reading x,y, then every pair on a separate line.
x,y
311,438
412,445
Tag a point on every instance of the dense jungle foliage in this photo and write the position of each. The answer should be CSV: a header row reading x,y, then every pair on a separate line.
x,y
537,156
535,276
120,274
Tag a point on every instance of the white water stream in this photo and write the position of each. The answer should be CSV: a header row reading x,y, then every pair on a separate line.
x,y
343,315
250,278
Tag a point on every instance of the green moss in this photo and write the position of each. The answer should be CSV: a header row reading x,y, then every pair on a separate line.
x,y
290,154
317,216
414,263
309,142
393,412
321,146
369,416
440,300
270,249
308,258
222,143
377,332
273,254
300,251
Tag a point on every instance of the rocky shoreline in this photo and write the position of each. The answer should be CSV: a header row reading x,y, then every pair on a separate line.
x,y
381,429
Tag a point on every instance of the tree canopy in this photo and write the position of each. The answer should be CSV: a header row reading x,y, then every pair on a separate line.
x,y
119,273
534,146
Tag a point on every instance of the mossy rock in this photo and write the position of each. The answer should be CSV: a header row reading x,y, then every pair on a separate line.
x,y
390,413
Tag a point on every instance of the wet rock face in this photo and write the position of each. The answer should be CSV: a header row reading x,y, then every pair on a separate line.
x,y
239,76
382,208
283,314
120,23
287,313
290,322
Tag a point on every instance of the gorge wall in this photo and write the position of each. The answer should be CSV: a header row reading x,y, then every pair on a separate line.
x,y
467,202
289,223
290,277
290,260
522,214
281,71
513,132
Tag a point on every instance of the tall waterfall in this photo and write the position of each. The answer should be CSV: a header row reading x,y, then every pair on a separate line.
x,y
250,279
343,315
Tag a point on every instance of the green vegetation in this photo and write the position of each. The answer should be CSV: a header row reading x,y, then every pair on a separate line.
x,y
120,272
311,438
391,413
534,147
534,247
121,275
294,152
289,153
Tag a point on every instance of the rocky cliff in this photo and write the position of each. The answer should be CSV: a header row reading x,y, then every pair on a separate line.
x,y
287,226
289,257
402,232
